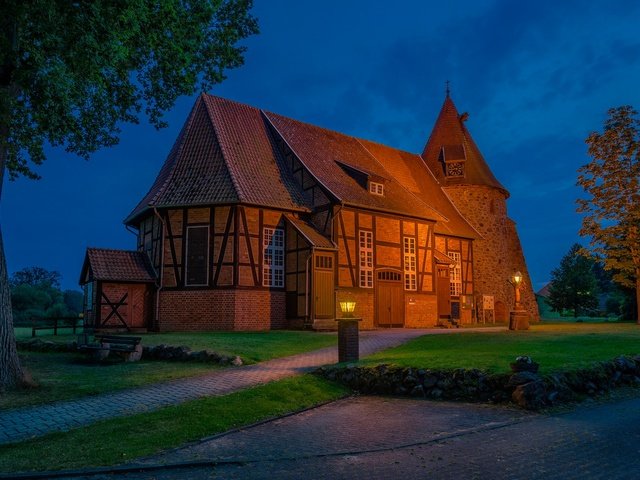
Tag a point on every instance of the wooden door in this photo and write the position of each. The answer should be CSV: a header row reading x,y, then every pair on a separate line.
x,y
389,299
137,314
323,286
444,292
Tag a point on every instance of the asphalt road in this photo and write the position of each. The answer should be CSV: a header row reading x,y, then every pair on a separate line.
x,y
384,438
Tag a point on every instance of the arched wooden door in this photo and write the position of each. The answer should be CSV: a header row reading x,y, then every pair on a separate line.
x,y
389,297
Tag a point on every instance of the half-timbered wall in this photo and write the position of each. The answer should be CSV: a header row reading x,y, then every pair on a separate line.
x,y
235,256
388,233
463,248
150,240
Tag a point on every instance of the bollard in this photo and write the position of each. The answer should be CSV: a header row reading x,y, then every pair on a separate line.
x,y
348,339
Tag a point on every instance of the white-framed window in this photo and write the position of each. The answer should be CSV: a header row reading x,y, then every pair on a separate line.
x,y
410,276
376,188
273,257
197,271
366,258
455,274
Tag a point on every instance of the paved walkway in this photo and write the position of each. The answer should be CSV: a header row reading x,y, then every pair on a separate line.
x,y
391,438
21,424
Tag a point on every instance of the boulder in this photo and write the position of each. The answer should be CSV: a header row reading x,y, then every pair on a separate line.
x,y
521,378
530,396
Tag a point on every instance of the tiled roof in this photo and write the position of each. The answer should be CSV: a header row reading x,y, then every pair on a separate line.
x,y
544,291
228,152
117,266
449,132
410,171
314,237
223,155
321,151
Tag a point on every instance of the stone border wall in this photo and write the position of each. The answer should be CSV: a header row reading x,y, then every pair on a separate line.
x,y
168,353
526,389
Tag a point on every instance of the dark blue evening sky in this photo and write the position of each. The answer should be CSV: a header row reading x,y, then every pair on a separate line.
x,y
536,78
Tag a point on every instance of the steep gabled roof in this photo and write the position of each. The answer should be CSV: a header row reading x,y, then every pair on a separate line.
x,y
325,153
450,134
116,266
223,155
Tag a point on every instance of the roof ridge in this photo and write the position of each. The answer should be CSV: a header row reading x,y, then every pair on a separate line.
x,y
114,250
225,154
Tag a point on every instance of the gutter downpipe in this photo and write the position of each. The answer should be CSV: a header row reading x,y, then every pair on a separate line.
x,y
156,310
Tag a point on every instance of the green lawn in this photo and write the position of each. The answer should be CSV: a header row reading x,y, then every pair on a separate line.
x,y
123,439
555,346
250,346
62,376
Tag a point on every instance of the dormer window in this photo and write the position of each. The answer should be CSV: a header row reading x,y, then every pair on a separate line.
x,y
376,188
454,157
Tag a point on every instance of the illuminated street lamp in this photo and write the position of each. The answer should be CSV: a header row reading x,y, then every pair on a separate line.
x,y
519,318
347,307
516,281
348,336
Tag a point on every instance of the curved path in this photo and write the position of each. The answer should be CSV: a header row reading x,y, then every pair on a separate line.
x,y
24,423
399,438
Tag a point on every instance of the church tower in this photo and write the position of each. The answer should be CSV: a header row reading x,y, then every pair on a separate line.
x,y
456,162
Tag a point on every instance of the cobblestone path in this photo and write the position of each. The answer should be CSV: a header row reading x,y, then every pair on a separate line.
x,y
393,438
25,423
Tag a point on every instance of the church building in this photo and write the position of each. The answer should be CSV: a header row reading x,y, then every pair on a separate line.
x,y
257,221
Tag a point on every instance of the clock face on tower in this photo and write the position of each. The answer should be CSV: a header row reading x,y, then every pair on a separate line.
x,y
455,169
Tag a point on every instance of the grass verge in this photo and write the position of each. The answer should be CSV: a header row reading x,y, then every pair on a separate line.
x,y
562,346
121,440
252,347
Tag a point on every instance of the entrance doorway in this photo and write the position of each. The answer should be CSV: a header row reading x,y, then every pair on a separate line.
x,y
444,292
389,299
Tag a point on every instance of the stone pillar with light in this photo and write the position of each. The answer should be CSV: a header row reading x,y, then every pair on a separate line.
x,y
519,318
348,335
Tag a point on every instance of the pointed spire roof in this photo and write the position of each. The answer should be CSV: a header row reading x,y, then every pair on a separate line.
x,y
451,139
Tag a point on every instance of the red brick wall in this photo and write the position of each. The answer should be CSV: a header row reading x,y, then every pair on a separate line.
x,y
201,310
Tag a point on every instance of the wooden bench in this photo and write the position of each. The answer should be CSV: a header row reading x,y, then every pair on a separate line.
x,y
127,347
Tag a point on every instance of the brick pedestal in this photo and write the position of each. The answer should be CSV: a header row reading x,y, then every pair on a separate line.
x,y
348,341
519,320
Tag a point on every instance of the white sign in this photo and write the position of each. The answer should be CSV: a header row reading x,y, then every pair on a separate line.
x,y
487,302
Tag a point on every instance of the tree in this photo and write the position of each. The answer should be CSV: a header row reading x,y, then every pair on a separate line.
x,y
612,213
36,293
72,71
35,276
574,284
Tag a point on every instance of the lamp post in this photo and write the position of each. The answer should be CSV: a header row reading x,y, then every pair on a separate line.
x,y
518,318
348,341
516,280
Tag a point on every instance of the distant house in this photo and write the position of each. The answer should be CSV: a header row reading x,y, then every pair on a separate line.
x,y
257,221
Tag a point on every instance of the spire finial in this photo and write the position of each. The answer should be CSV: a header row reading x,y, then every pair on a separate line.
x,y
448,90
